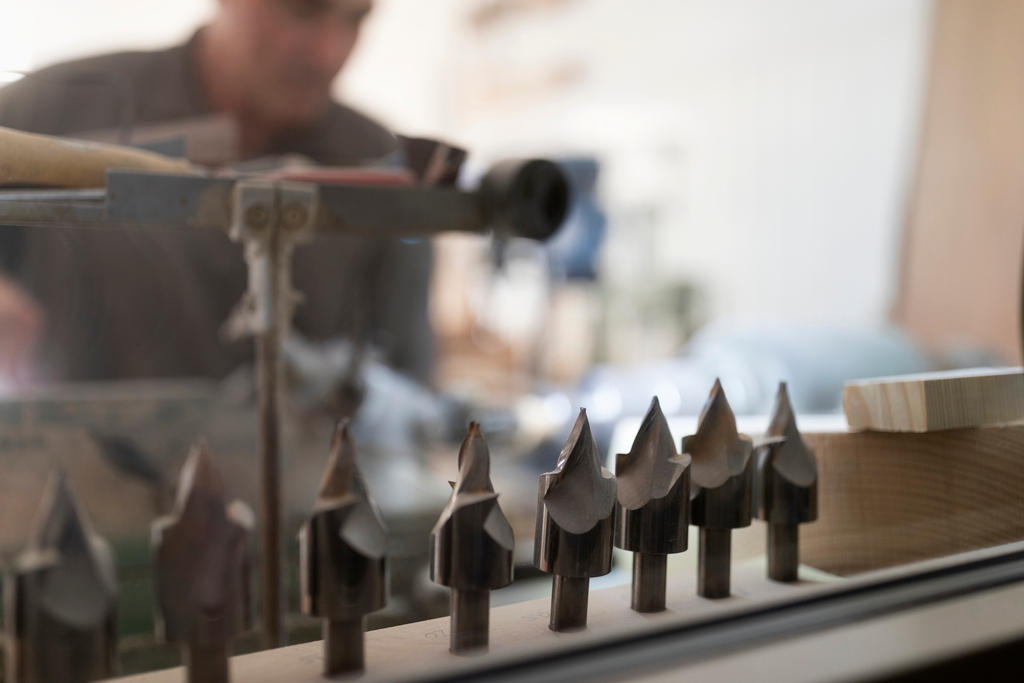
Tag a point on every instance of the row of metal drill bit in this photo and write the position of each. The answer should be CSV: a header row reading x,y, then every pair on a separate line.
x,y
63,587
717,482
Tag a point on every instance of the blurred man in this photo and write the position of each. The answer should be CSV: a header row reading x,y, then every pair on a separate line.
x,y
271,63
114,304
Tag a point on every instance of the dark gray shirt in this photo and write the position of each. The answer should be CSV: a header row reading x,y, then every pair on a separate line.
x,y
125,304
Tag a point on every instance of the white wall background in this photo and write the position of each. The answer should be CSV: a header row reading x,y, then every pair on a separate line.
x,y
759,147
34,34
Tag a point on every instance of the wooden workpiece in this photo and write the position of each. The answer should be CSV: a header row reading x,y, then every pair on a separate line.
x,y
890,498
44,160
422,647
937,400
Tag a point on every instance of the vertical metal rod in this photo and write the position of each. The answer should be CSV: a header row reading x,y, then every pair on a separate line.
x,y
343,646
569,595
470,624
713,563
649,579
783,552
268,360
206,663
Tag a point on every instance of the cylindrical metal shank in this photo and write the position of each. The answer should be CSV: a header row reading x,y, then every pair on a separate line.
x,y
343,646
206,663
714,557
649,579
783,552
569,597
470,622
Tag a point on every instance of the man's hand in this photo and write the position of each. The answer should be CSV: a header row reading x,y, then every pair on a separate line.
x,y
21,321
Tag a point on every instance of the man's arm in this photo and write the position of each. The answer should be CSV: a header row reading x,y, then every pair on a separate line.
x,y
20,323
58,100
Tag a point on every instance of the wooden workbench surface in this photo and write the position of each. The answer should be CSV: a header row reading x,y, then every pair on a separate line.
x,y
414,648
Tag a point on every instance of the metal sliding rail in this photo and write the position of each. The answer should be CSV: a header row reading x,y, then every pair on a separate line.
x,y
671,645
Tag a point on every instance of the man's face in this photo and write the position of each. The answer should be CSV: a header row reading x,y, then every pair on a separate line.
x,y
289,52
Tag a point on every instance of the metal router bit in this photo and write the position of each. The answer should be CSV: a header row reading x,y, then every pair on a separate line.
x,y
721,480
787,488
342,563
575,522
652,512
201,570
61,602
471,546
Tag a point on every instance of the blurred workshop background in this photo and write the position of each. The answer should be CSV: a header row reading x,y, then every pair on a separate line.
x,y
739,163
811,190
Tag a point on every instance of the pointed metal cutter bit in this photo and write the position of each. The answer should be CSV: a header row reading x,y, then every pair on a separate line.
x,y
575,524
652,512
61,597
471,546
787,488
343,566
201,570
721,480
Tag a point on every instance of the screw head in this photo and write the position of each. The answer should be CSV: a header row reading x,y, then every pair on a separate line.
x,y
294,216
257,217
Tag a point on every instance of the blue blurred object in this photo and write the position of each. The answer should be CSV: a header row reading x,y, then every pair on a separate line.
x,y
574,250
750,359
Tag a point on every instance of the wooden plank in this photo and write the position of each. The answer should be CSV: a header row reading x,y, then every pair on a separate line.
x,y
32,159
392,653
937,400
891,498
894,641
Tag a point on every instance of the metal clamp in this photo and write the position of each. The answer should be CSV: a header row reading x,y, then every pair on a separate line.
x,y
269,217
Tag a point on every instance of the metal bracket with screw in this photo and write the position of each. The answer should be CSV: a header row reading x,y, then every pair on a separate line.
x,y
270,217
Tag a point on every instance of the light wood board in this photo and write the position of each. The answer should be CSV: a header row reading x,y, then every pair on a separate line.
x,y
31,159
938,400
893,642
891,498
411,648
